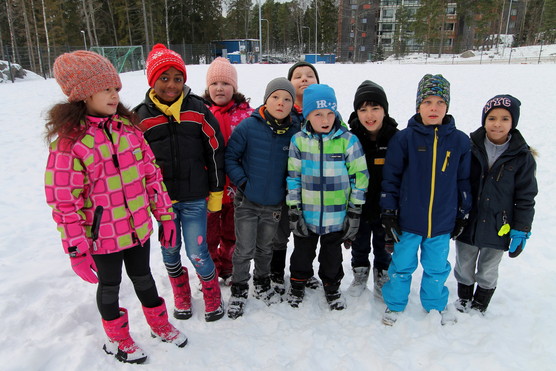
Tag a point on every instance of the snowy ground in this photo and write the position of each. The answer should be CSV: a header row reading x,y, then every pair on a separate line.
x,y
49,317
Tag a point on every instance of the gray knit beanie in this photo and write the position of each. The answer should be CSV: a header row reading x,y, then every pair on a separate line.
x,y
279,83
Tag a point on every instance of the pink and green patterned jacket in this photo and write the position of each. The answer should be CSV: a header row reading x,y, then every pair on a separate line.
x,y
120,174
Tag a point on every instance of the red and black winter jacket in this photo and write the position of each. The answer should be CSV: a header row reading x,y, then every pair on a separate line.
x,y
190,152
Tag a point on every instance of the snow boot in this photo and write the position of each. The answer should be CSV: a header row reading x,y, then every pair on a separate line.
x,y
481,299
448,316
465,296
277,281
120,344
359,283
214,307
237,300
312,283
157,318
334,297
296,292
380,277
182,295
390,317
263,291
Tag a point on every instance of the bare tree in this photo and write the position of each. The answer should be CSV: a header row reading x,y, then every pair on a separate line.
x,y
28,38
147,39
47,37
11,28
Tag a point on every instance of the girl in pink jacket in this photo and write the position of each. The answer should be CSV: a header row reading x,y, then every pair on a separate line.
x,y
229,107
102,183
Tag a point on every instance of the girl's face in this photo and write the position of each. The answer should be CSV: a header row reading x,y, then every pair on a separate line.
x,y
221,92
301,78
322,120
371,116
103,103
432,110
498,124
169,86
279,104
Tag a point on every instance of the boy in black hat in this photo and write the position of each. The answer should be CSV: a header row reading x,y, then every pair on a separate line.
x,y
373,126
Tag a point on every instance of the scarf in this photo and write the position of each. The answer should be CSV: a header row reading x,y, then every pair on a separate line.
x,y
173,110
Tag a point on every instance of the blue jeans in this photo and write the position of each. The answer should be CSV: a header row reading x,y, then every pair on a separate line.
x,y
361,247
191,222
436,268
255,228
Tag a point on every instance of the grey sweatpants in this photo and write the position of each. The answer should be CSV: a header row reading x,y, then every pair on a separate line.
x,y
480,265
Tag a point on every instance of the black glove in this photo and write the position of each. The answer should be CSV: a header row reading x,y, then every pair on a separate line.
x,y
388,244
391,225
458,228
297,223
351,223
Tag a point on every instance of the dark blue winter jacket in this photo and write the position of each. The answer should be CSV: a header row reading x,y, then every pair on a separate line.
x,y
256,159
426,177
505,193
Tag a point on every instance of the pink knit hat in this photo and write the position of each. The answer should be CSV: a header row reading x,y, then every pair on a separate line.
x,y
222,70
160,59
81,74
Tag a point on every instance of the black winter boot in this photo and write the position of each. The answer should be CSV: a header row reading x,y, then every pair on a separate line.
x,y
334,297
296,292
465,296
237,300
481,299
263,291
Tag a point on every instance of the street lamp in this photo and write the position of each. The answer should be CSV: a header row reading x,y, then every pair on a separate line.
x,y
309,33
267,36
84,40
260,36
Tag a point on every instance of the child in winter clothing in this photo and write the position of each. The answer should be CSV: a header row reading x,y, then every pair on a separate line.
x,y
327,180
229,107
102,182
301,75
504,187
425,199
256,162
374,128
187,142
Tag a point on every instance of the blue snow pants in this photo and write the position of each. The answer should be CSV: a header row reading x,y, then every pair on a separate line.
x,y
436,268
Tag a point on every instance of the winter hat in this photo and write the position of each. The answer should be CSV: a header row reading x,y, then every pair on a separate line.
x,y
161,59
279,83
505,101
433,85
302,64
81,74
222,70
369,91
318,96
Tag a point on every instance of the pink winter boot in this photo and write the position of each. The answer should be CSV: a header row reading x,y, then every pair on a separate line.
x,y
120,344
157,318
182,295
214,309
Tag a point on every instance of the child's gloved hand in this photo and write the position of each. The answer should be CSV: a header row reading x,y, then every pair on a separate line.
x,y
351,223
297,223
83,264
388,244
458,228
167,233
391,225
517,244
214,203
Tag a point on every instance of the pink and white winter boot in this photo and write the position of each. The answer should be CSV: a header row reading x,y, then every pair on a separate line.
x,y
157,318
214,308
120,344
182,295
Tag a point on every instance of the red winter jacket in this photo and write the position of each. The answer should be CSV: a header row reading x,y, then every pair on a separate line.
x,y
117,173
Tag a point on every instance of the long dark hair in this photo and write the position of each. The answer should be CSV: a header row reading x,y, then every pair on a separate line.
x,y
65,120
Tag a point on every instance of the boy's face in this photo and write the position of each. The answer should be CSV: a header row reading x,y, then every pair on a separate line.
x,y
221,92
322,120
371,117
301,78
498,124
169,86
279,104
432,110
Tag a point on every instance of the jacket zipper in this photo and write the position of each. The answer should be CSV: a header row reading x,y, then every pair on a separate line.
x,y
446,161
433,181
321,217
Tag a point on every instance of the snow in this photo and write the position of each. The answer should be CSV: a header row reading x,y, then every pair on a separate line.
x,y
49,316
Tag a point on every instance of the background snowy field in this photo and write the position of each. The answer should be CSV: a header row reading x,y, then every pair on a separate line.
x,y
49,319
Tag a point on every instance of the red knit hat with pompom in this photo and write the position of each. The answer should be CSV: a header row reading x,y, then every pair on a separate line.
x,y
160,59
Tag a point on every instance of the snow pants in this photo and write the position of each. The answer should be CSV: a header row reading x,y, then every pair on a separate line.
x,y
221,238
361,247
480,265
436,268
